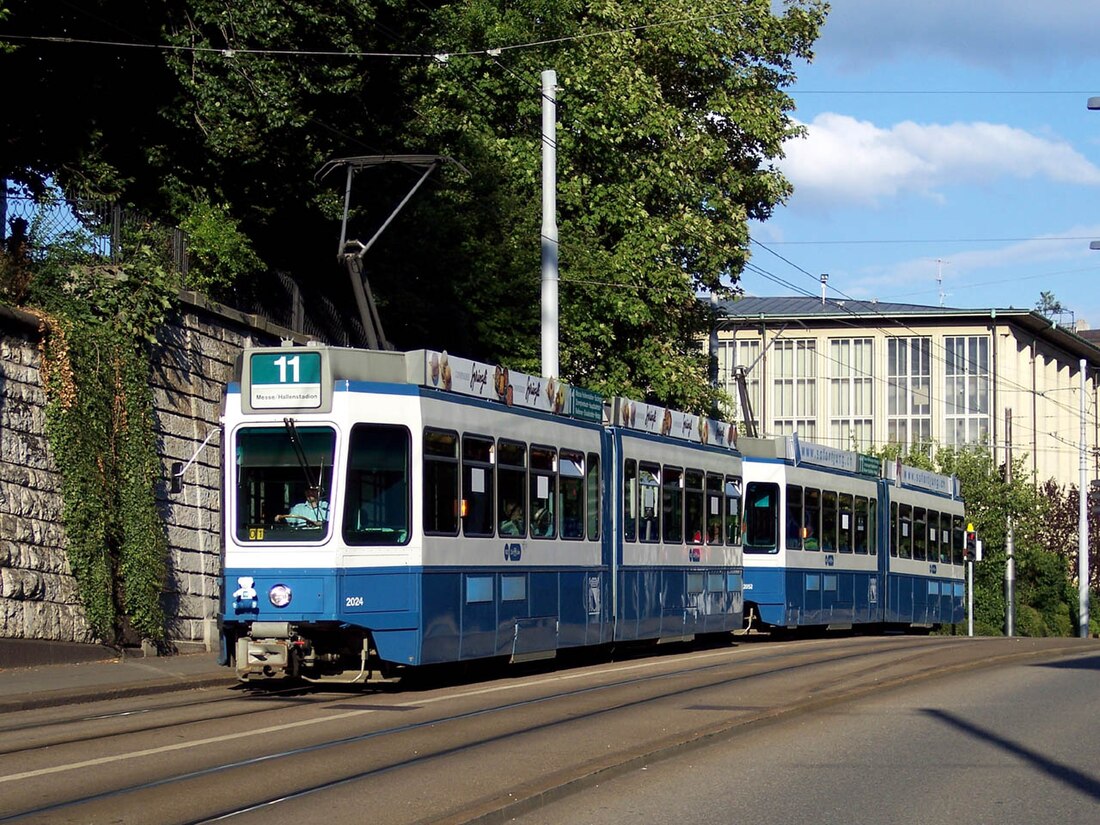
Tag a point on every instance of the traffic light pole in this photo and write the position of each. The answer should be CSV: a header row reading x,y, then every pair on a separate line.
x,y
969,598
970,555
1010,539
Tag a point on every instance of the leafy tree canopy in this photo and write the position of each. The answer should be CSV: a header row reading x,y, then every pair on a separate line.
x,y
217,116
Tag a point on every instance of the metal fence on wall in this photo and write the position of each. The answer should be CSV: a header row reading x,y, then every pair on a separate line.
x,y
102,229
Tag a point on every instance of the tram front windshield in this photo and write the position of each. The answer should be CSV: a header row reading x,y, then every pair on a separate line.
x,y
284,482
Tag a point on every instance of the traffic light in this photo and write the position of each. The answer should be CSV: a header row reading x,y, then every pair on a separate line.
x,y
970,549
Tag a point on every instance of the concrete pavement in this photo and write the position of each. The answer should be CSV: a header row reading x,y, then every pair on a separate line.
x,y
36,674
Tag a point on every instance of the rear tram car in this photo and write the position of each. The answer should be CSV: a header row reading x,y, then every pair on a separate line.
x,y
387,510
835,539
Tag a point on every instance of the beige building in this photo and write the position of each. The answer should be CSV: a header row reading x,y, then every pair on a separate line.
x,y
860,374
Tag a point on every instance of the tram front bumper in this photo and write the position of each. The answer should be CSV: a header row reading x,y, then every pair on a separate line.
x,y
266,652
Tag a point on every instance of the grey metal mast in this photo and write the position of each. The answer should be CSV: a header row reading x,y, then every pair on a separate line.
x,y
351,253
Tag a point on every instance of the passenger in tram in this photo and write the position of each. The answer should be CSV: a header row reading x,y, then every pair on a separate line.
x,y
309,513
512,525
542,521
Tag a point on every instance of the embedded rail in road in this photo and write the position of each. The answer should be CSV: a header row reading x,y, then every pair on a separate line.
x,y
459,753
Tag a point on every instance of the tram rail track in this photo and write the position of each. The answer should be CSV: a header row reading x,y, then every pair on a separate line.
x,y
689,699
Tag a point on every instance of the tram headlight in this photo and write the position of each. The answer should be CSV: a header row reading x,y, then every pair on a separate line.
x,y
279,595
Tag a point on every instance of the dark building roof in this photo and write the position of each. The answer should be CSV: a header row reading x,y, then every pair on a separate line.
x,y
1091,335
812,310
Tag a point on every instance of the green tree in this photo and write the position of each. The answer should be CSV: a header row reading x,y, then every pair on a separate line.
x,y
1048,305
670,118
666,132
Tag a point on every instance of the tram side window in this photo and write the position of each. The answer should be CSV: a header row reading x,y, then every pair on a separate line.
x,y
672,504
920,534
933,536
571,491
694,523
828,520
630,499
958,539
714,508
543,480
945,538
905,531
376,509
761,518
649,480
846,523
734,534
512,487
794,517
811,520
893,528
440,483
477,486
872,526
592,485
860,533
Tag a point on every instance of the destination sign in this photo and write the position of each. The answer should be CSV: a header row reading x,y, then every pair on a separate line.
x,y
288,379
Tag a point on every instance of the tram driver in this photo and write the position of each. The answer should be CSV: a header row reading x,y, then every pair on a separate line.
x,y
309,513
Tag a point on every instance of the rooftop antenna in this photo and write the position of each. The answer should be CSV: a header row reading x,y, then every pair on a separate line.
x,y
939,278
824,280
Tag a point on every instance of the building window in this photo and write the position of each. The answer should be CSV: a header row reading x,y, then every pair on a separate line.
x,y
732,354
909,394
795,387
851,393
966,389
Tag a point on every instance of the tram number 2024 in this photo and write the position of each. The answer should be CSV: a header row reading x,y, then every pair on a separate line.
x,y
353,601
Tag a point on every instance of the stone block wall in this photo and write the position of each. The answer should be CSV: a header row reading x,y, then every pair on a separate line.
x,y
192,365
37,590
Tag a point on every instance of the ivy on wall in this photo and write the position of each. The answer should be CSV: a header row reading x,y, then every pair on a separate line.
x,y
100,322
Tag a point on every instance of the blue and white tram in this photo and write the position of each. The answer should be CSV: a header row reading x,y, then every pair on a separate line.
x,y
831,541
458,512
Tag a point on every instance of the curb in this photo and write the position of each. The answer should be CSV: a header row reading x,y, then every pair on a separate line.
x,y
55,698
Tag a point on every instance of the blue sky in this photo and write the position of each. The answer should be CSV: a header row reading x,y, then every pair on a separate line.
x,y
946,138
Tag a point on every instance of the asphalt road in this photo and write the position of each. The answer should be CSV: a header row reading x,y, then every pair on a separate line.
x,y
1012,745
528,741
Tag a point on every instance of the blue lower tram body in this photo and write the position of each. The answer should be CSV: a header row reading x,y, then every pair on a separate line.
x,y
413,617
804,598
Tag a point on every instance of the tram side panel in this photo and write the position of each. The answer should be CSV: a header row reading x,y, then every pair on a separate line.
x,y
678,554
520,572
924,534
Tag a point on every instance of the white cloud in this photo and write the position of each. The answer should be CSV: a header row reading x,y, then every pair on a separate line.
x,y
845,161
1044,262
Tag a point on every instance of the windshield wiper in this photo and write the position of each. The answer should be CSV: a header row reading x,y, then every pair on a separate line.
x,y
299,451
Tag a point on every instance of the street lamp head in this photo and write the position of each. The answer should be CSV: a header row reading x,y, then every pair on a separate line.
x,y
1094,103
1094,244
